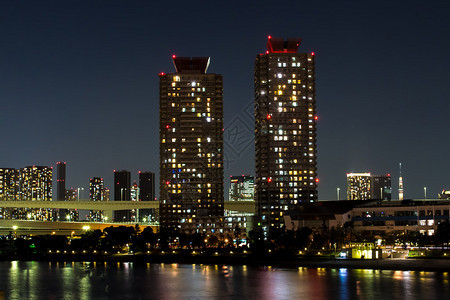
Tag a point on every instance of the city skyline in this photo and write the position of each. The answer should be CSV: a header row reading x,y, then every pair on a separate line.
x,y
80,90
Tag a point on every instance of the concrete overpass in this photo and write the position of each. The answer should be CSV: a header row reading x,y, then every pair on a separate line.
x,y
22,227
241,206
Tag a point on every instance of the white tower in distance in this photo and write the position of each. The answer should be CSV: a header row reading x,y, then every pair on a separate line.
x,y
400,184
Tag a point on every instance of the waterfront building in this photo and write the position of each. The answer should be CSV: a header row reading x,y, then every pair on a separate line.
x,y
402,216
147,193
122,192
96,192
285,131
374,216
241,188
191,143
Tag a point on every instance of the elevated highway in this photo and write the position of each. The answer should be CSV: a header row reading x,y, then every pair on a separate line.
x,y
241,206
76,228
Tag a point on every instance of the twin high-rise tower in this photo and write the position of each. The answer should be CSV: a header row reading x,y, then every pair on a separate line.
x,y
191,143
285,131
191,137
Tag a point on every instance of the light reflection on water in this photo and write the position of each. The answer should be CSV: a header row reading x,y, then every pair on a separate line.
x,y
85,280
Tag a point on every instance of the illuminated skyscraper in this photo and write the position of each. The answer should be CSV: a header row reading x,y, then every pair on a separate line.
x,y
96,191
191,142
241,188
36,183
285,131
9,184
364,186
9,189
359,186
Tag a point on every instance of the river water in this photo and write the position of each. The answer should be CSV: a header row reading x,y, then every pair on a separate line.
x,y
85,280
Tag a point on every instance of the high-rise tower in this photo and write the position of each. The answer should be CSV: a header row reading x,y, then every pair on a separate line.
x,y
147,193
9,189
285,131
122,192
96,191
191,142
60,181
61,187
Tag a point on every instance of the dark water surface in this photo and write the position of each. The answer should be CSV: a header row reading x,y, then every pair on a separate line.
x,y
78,280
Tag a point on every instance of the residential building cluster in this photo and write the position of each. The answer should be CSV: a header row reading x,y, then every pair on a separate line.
x,y
191,169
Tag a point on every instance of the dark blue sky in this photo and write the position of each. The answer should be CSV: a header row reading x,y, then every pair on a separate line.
x,y
78,82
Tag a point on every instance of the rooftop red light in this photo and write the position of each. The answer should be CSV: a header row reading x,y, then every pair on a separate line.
x,y
317,180
316,118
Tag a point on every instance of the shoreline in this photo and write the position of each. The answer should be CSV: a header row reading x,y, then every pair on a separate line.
x,y
409,264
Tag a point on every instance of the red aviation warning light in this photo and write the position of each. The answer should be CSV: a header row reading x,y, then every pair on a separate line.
x,y
316,118
269,37
269,179
167,182
269,117
162,73
174,56
317,180
168,126
312,53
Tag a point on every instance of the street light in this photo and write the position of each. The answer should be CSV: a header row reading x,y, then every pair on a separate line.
x,y
78,193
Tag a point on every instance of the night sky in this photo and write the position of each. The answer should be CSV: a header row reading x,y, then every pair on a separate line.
x,y
78,83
